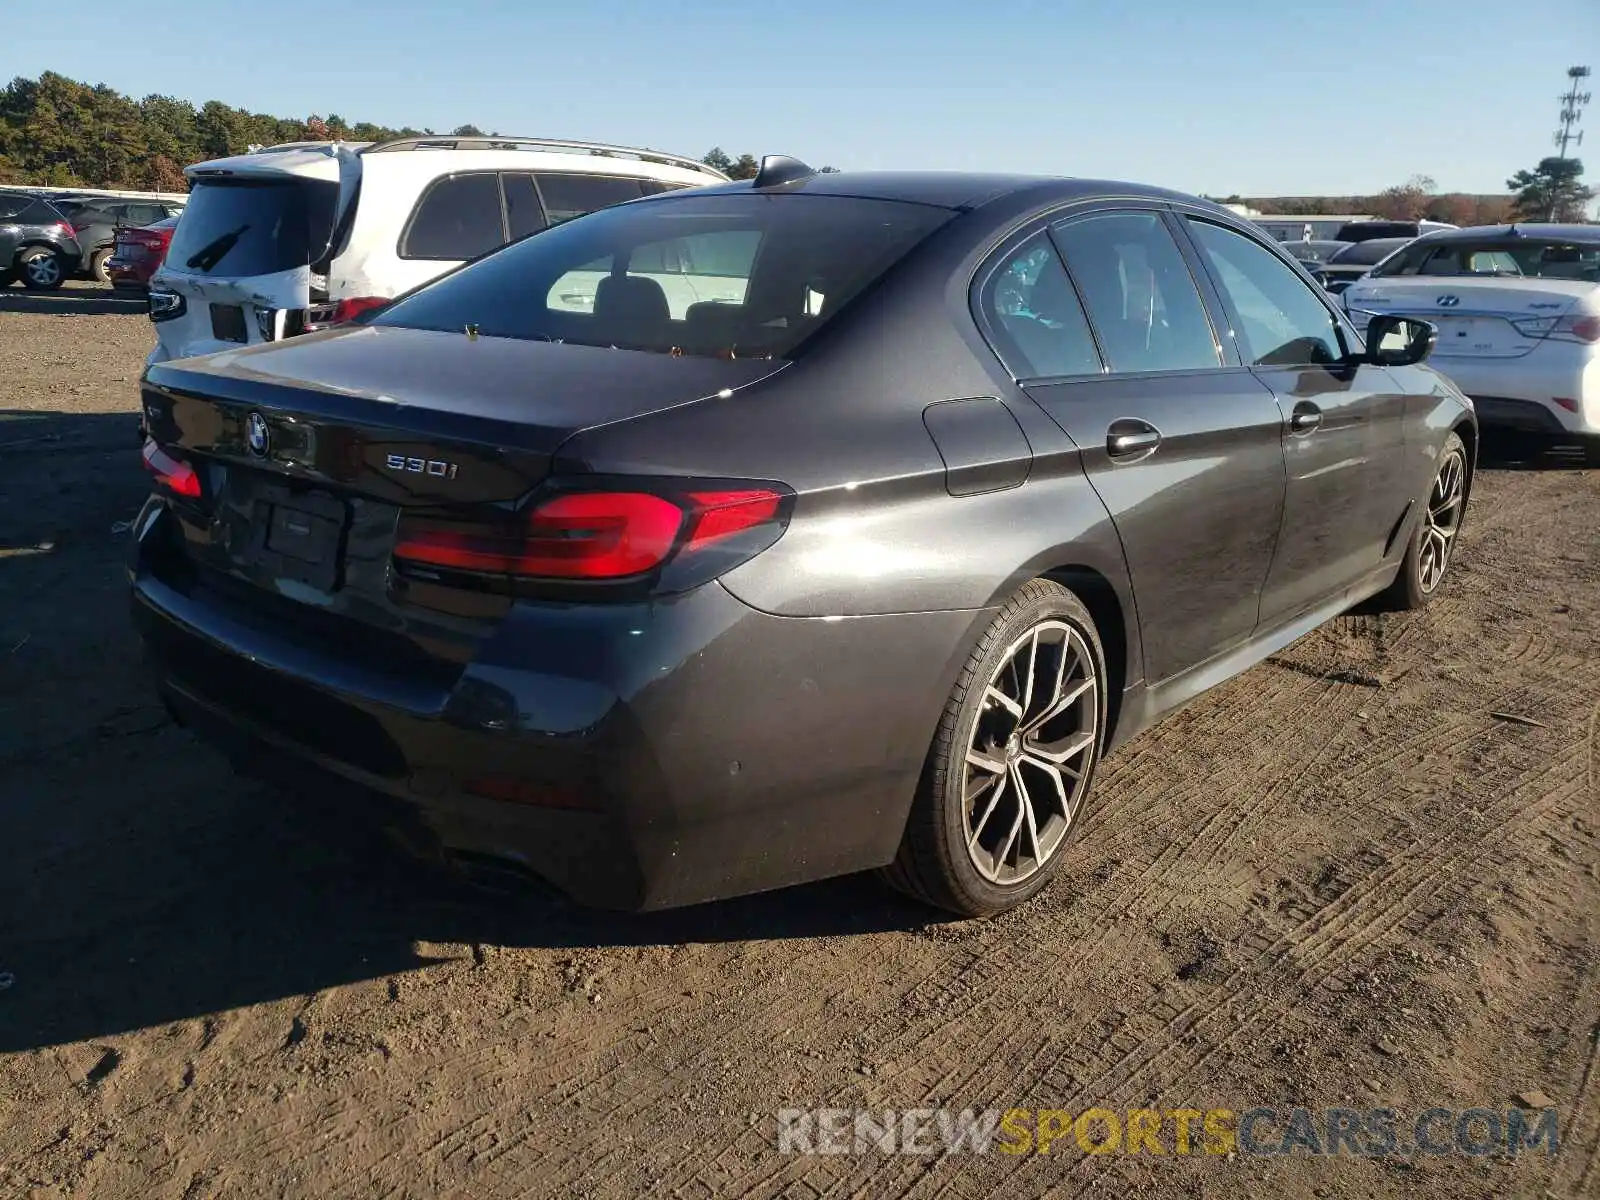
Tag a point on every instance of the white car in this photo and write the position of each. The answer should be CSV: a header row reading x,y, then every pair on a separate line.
x,y
1518,313
292,238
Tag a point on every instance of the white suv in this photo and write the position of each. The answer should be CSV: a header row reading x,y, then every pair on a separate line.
x,y
295,237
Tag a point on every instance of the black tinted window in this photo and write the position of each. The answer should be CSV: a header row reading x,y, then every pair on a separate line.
x,y
752,276
458,217
523,212
1038,324
39,213
253,228
1139,292
10,206
1283,321
1499,256
568,196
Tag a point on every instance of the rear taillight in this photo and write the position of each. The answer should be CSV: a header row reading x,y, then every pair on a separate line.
x,y
1584,328
584,536
1581,329
66,230
171,472
164,305
338,312
352,307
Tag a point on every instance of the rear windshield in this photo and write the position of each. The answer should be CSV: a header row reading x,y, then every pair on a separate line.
x,y
251,227
747,276
1499,256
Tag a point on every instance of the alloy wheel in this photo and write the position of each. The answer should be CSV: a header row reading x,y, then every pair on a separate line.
x,y
1030,752
1442,520
43,269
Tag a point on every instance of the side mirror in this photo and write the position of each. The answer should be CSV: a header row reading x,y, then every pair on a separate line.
x,y
1399,341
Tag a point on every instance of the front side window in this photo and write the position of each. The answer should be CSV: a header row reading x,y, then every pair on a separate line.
x,y
458,217
1141,298
1034,314
1282,320
746,276
569,196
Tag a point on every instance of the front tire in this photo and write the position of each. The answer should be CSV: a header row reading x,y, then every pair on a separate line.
x,y
1009,773
97,267
41,269
1432,546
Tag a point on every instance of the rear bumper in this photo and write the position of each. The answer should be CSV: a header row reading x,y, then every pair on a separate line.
x,y
646,756
1521,393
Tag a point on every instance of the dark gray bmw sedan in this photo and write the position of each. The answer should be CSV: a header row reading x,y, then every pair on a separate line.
x,y
755,534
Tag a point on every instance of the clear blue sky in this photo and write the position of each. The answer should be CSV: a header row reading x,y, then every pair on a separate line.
x,y
1221,96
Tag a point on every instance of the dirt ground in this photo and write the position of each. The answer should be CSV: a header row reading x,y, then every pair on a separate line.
x,y
1340,879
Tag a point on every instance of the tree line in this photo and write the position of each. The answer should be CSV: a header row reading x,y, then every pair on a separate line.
x,y
1552,191
59,132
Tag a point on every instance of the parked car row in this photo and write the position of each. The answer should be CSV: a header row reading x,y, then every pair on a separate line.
x,y
44,241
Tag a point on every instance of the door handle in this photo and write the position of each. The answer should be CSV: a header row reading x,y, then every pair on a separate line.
x,y
1131,438
1305,418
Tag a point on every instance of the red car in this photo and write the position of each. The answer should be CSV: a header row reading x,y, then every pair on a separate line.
x,y
138,253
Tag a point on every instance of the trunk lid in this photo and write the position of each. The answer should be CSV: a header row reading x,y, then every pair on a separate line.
x,y
309,450
1476,317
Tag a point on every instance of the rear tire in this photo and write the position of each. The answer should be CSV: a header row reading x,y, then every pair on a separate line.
x,y
1432,546
42,269
1007,780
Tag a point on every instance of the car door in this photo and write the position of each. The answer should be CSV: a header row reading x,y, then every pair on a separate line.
x,y
1180,443
1344,438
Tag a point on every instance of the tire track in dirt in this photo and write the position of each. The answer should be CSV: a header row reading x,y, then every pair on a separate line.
x,y
1308,955
1200,846
1583,1169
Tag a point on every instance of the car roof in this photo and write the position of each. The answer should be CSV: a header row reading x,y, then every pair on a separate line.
x,y
1529,229
950,189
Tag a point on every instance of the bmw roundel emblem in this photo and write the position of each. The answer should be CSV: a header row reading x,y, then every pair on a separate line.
x,y
1448,301
257,435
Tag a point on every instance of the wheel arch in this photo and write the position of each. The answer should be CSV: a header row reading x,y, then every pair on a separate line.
x,y
1112,623
36,244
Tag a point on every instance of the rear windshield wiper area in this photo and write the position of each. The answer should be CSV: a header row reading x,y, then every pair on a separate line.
x,y
216,250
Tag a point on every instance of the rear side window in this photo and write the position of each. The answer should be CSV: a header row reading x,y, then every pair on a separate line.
x,y
253,227
10,206
39,213
1139,293
721,276
1283,321
1034,315
568,196
458,217
524,214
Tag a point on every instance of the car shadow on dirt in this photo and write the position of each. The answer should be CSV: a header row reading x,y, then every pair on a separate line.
x,y
72,302
1502,450
143,883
